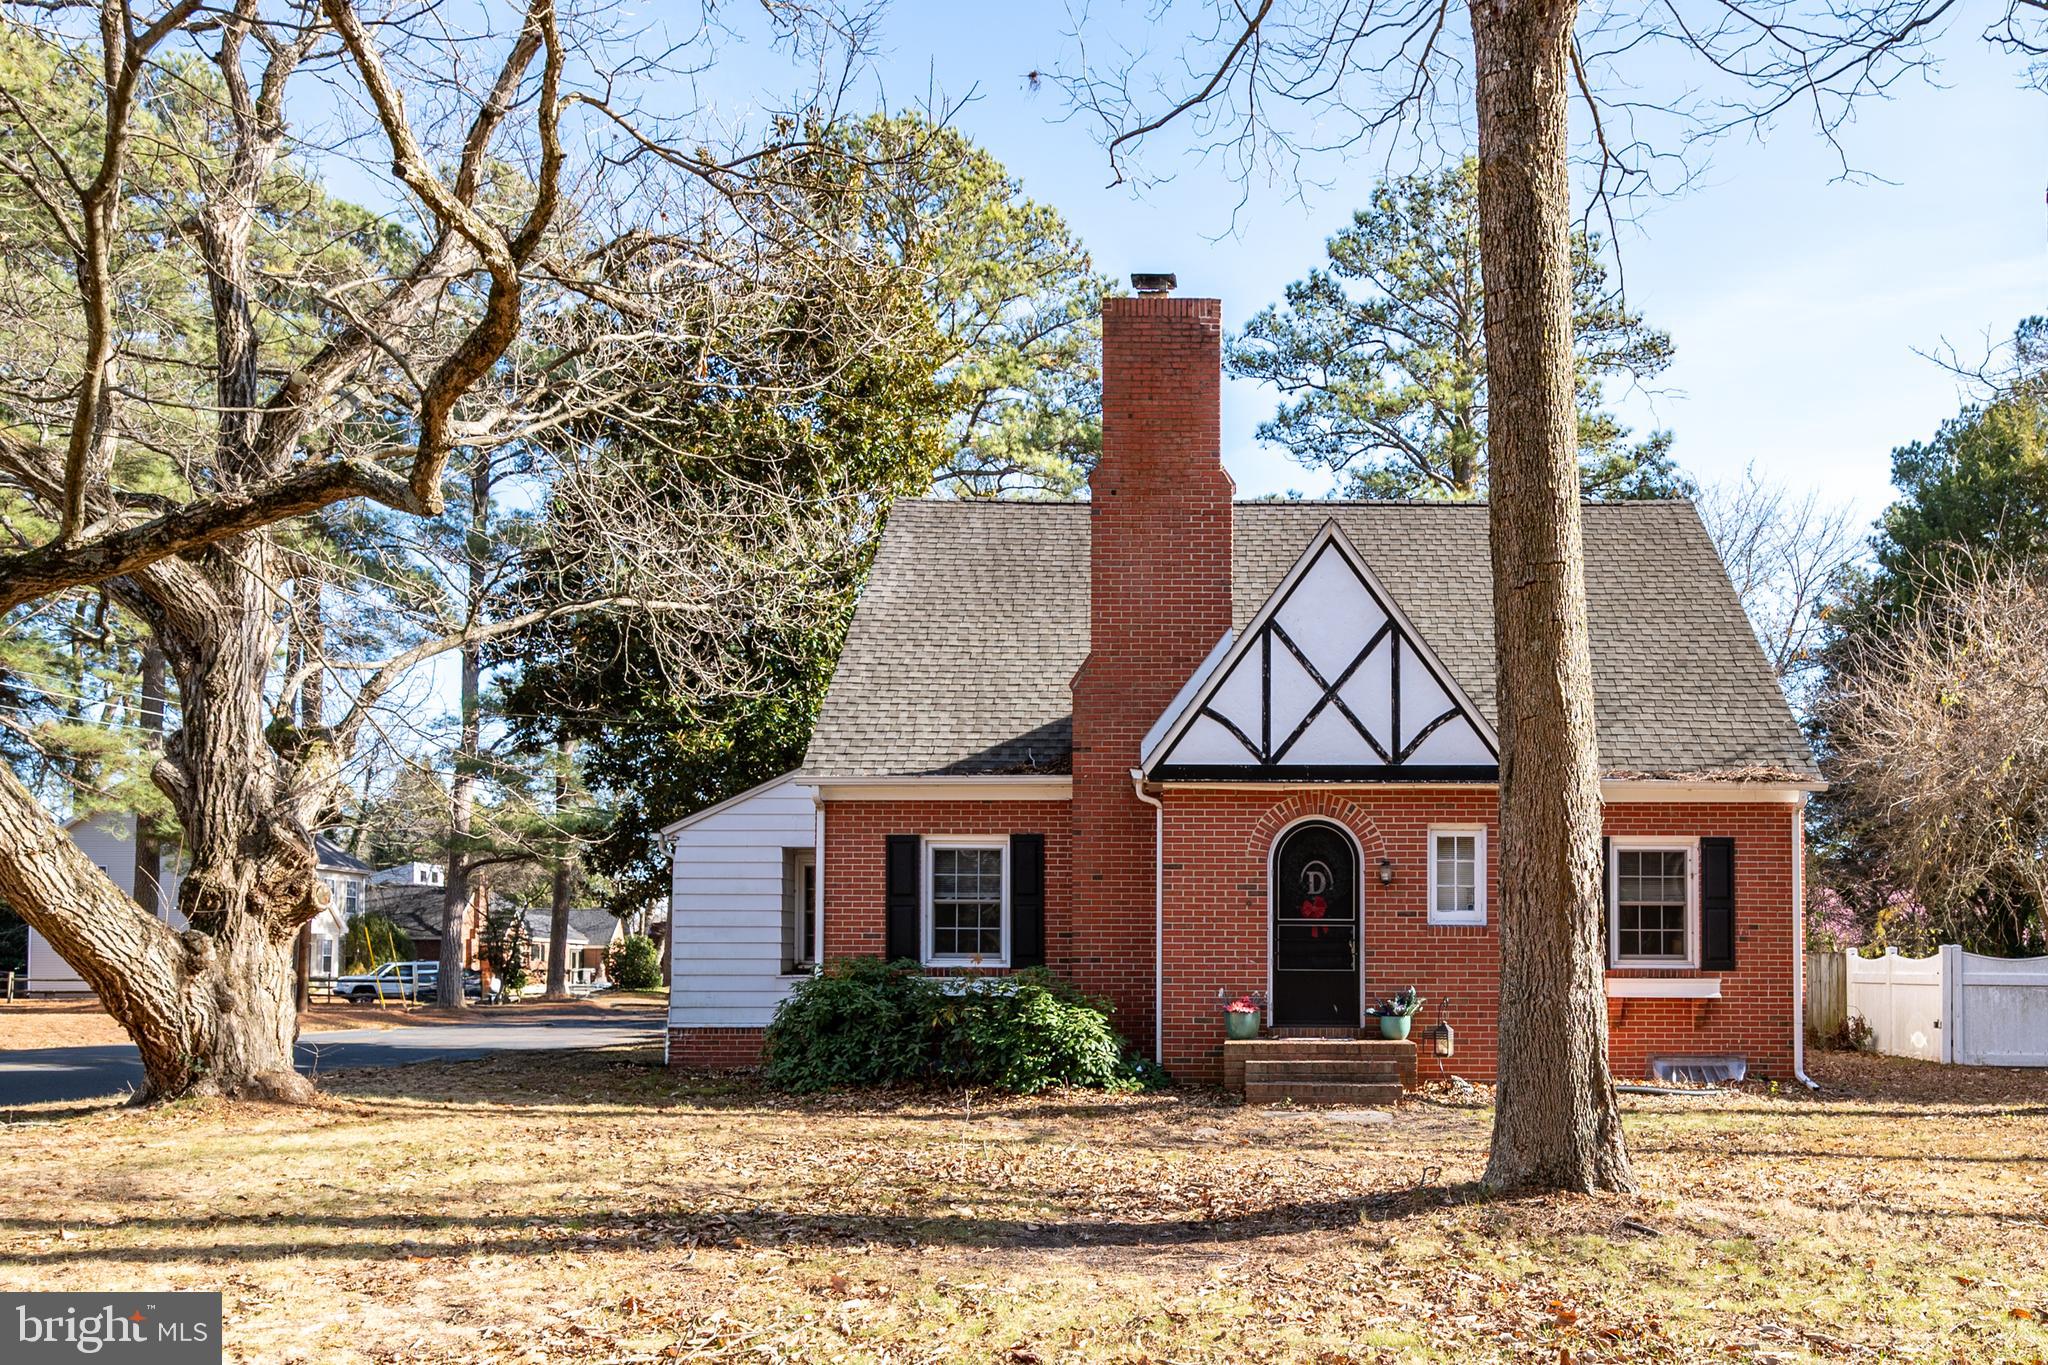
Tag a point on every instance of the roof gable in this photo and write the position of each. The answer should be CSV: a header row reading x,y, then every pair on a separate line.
x,y
1328,680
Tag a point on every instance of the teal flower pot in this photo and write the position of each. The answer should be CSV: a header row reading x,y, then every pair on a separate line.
x,y
1394,1025
1240,1025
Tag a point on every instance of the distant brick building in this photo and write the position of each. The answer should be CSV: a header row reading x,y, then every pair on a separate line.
x,y
1178,748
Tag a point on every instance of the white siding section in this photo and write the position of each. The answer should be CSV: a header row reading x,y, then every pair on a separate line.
x,y
109,841
725,906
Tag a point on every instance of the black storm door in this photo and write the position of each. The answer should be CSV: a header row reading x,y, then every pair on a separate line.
x,y
1315,929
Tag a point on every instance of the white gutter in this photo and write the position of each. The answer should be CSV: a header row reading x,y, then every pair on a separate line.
x,y
1799,947
1158,915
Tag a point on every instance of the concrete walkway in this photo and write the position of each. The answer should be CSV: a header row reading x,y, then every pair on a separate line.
x,y
84,1073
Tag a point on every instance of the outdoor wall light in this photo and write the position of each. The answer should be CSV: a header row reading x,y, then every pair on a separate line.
x,y
1386,871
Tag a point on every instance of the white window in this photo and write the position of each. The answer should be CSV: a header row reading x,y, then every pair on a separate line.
x,y
799,910
324,954
1652,903
352,901
1457,875
966,903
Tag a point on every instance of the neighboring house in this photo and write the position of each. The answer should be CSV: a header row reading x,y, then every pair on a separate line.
x,y
348,881
417,910
109,840
601,931
592,932
412,874
743,921
1178,748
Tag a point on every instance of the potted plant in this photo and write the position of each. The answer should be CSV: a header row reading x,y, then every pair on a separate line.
x,y
1241,1018
1397,1013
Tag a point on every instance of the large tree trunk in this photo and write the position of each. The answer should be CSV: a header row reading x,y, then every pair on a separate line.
x,y
1556,1124
149,853
558,935
469,754
562,889
210,1008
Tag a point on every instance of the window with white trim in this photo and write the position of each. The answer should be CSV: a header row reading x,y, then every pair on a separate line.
x,y
966,903
1652,905
1457,875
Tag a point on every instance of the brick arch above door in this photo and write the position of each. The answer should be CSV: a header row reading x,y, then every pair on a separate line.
x,y
1317,805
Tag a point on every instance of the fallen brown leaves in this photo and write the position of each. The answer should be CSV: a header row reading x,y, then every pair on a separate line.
x,y
592,1208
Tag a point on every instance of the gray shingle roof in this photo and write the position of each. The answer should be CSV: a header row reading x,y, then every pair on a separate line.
x,y
334,857
976,616
596,924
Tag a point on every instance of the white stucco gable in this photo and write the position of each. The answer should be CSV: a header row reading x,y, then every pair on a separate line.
x,y
1328,681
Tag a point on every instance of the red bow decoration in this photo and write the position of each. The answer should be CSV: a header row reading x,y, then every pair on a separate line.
x,y
1315,907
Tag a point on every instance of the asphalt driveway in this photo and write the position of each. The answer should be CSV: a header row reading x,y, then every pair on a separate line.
x,y
83,1073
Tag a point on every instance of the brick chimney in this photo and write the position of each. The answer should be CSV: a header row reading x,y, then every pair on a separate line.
x,y
1159,598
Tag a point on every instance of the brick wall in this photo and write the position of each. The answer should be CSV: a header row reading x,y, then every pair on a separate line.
x,y
1160,542
715,1048
856,882
1217,845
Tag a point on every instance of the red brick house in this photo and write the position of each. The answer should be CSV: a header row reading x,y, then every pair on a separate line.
x,y
1177,747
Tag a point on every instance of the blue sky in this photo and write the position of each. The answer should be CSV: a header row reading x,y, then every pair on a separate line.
x,y
1796,302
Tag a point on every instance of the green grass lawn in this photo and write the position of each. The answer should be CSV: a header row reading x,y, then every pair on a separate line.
x,y
593,1208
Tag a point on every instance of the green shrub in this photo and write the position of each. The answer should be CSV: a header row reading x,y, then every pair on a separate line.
x,y
859,1021
635,963
865,1022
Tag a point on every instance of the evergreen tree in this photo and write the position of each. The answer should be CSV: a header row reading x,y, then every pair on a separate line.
x,y
1380,356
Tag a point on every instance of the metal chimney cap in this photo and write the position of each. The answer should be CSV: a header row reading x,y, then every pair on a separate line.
x,y
1146,283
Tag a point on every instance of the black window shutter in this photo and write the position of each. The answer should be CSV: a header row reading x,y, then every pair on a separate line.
x,y
905,855
1717,904
1027,900
1606,901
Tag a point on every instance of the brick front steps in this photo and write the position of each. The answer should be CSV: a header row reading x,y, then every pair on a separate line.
x,y
1324,1070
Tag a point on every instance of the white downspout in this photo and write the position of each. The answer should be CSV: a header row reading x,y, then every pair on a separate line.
x,y
1158,914
1799,944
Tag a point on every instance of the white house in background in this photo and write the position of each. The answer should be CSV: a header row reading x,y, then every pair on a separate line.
x,y
348,881
743,919
109,840
412,874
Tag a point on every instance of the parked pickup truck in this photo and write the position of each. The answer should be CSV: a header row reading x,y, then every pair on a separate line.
x,y
400,981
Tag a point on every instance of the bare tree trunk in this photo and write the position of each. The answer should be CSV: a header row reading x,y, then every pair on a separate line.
x,y
558,935
563,888
209,1008
1556,1124
302,970
149,852
469,753
308,653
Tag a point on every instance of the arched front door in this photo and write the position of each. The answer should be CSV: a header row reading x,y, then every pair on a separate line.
x,y
1315,928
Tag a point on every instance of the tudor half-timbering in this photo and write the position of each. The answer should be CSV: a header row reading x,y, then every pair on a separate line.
x,y
1177,747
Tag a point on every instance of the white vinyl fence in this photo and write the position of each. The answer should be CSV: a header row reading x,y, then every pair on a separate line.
x,y
1955,1006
